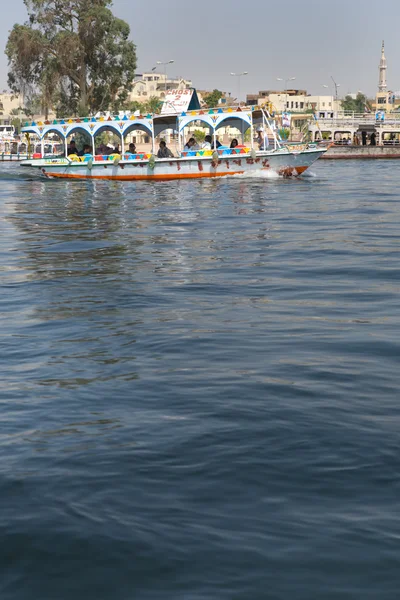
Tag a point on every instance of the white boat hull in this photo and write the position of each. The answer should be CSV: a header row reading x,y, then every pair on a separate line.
x,y
7,157
281,161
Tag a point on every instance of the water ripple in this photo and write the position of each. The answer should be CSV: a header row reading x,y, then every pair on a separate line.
x,y
199,387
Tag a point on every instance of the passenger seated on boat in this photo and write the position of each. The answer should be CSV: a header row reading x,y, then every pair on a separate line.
x,y
206,145
86,150
234,143
131,149
190,145
163,151
102,149
72,149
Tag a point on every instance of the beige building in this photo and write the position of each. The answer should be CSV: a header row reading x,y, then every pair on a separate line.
x,y
295,101
8,103
225,100
148,85
302,103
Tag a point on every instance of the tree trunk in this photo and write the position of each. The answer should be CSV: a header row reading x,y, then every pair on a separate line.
x,y
83,101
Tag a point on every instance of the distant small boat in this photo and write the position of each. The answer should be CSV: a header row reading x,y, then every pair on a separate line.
x,y
204,163
15,151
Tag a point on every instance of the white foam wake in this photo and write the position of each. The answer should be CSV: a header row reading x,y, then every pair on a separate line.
x,y
257,174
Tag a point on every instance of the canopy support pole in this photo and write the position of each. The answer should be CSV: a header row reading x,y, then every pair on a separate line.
x,y
180,147
122,144
265,118
93,145
42,147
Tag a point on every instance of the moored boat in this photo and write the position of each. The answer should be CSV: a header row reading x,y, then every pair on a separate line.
x,y
224,161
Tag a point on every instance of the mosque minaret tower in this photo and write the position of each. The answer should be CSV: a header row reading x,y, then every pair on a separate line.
x,y
382,71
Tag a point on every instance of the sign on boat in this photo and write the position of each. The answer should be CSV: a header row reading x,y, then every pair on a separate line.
x,y
247,157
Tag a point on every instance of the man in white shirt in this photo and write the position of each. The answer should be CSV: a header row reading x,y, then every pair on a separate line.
x,y
206,145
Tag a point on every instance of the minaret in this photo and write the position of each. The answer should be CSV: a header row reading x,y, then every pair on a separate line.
x,y
382,71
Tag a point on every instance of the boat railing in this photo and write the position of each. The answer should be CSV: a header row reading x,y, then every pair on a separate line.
x,y
354,119
140,156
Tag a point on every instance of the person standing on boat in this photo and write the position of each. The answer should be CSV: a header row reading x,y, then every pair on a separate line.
x,y
373,139
262,139
163,151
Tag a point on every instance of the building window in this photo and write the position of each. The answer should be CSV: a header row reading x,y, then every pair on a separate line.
x,y
323,104
301,104
292,104
381,100
297,105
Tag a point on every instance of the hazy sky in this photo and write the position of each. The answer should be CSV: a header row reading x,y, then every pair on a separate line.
x,y
310,40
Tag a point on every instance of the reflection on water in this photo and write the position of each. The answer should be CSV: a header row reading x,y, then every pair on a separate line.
x,y
201,369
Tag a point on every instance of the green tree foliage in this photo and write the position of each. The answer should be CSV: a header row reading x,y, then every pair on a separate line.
x,y
74,54
212,99
284,132
153,106
199,135
357,105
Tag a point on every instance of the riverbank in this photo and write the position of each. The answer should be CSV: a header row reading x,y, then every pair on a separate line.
x,y
361,152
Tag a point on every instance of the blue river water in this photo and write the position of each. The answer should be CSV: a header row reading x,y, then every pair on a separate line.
x,y
199,387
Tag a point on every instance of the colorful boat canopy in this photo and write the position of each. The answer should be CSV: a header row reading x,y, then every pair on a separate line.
x,y
152,125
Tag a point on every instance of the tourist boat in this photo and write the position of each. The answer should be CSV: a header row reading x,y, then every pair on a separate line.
x,y
246,158
16,150
344,133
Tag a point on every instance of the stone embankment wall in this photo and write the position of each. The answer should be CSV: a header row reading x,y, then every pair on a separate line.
x,y
348,152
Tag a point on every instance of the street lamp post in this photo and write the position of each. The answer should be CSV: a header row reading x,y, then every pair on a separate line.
x,y
336,88
239,75
327,88
286,82
168,62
